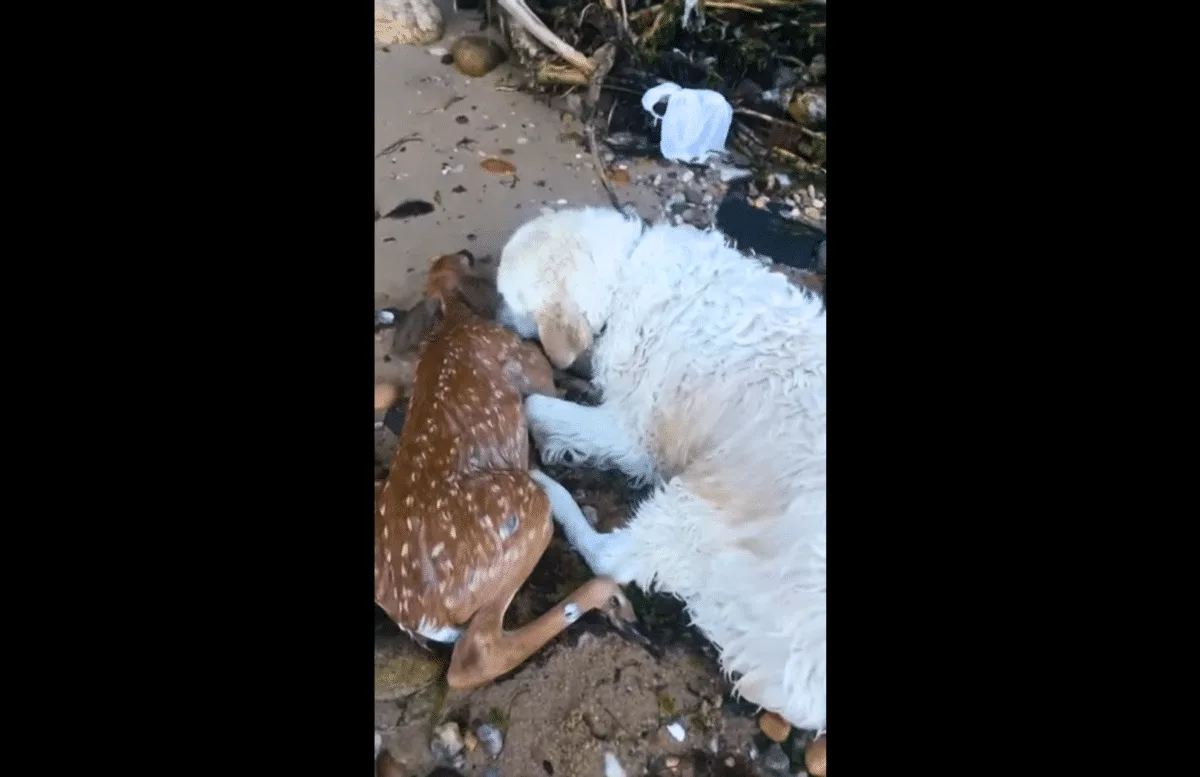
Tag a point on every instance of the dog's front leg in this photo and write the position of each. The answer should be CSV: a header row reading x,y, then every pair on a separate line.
x,y
600,551
567,433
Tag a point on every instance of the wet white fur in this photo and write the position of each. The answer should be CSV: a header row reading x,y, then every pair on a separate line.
x,y
713,374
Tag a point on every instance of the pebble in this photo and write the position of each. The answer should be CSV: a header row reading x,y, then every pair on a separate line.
x,y
491,739
687,176
522,141
378,743
812,191
675,199
813,214
470,741
612,767
676,731
818,203
560,202
492,771
597,724
439,51
729,174
775,759
447,742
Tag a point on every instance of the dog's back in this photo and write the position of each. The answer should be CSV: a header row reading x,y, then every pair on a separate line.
x,y
715,368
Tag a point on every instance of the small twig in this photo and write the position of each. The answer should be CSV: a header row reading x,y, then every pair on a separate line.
x,y
560,74
797,160
449,102
637,15
656,24
604,58
625,18
772,119
731,6
608,187
583,13
393,146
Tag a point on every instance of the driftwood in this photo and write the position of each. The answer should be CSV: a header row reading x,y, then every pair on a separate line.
x,y
520,13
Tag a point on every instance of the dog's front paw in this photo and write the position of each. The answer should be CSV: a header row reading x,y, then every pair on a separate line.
x,y
554,451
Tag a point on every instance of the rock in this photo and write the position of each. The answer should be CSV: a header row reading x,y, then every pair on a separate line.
x,y
688,215
687,176
491,739
387,715
470,742
775,760
814,757
388,767
402,668
676,201
808,109
677,731
812,213
447,742
407,22
775,727
693,195
598,725
492,771
729,173
612,767
817,68
476,55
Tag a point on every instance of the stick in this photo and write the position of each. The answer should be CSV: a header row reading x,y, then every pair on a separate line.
x,y
732,6
773,120
608,187
393,146
527,19
560,74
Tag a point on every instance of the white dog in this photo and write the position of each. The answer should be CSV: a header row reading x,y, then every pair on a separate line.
x,y
712,370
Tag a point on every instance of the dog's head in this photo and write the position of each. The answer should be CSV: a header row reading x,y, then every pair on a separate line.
x,y
557,277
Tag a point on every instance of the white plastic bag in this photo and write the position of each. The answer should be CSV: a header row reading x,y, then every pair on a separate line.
x,y
695,123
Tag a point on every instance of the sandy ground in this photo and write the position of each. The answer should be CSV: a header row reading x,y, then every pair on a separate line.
x,y
412,91
590,691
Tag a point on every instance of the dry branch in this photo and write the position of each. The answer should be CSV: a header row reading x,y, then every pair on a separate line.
x,y
522,15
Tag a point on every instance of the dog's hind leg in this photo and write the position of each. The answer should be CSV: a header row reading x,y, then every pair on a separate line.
x,y
567,433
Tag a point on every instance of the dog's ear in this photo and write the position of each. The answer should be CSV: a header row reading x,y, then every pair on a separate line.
x,y
416,325
480,295
564,333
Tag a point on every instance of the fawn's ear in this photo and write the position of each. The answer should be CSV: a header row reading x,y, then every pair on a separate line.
x,y
480,295
564,334
419,321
